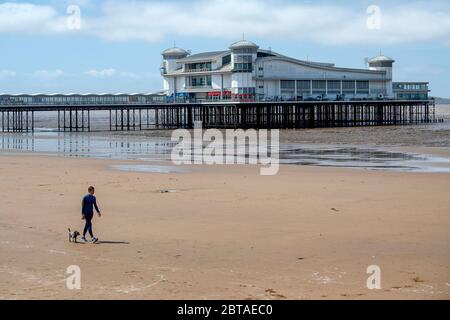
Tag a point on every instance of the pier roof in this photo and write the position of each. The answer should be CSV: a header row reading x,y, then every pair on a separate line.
x,y
204,56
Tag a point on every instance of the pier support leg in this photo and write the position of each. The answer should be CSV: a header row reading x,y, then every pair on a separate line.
x,y
121,119
190,120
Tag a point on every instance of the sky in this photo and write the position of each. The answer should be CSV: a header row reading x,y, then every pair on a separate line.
x,y
90,46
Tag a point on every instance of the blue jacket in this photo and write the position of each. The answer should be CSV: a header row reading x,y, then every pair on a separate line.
x,y
88,204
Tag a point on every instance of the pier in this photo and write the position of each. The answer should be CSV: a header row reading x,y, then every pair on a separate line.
x,y
126,116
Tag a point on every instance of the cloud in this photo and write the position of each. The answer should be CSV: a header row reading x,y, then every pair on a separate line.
x,y
101,73
30,19
108,73
226,19
75,2
48,74
129,75
7,74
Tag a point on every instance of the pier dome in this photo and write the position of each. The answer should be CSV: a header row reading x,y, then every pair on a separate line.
x,y
243,44
381,58
175,52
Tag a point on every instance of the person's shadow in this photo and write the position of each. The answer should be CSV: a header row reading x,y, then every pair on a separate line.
x,y
111,242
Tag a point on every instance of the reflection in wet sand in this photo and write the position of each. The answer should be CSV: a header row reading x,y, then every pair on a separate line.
x,y
149,168
130,147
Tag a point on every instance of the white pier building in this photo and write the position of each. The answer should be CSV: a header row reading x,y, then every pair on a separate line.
x,y
247,72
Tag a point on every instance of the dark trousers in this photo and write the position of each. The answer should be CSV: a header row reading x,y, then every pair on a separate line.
x,y
88,226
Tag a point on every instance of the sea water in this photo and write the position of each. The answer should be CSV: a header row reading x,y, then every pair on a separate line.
x,y
157,149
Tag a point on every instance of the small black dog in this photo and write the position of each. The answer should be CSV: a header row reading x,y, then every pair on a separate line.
x,y
73,236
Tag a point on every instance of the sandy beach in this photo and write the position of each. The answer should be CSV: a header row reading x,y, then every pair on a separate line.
x,y
226,233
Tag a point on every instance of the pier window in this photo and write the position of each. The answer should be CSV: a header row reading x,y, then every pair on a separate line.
x,y
410,86
348,86
226,60
362,87
287,84
203,81
334,86
412,96
243,67
37,100
303,87
246,93
243,63
287,88
249,90
244,50
319,86
244,59
199,67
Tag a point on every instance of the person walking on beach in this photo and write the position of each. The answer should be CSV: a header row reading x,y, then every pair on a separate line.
x,y
87,209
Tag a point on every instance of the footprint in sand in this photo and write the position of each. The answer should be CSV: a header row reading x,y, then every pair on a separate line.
x,y
418,280
274,294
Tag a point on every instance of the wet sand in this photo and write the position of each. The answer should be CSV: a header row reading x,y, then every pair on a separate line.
x,y
428,135
226,233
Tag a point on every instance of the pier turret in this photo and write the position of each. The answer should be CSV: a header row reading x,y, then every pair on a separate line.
x,y
169,65
170,56
383,63
243,58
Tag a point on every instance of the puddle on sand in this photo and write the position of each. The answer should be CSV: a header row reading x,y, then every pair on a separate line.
x,y
361,157
153,149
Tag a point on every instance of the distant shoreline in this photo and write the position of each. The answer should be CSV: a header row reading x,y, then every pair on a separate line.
x,y
444,101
